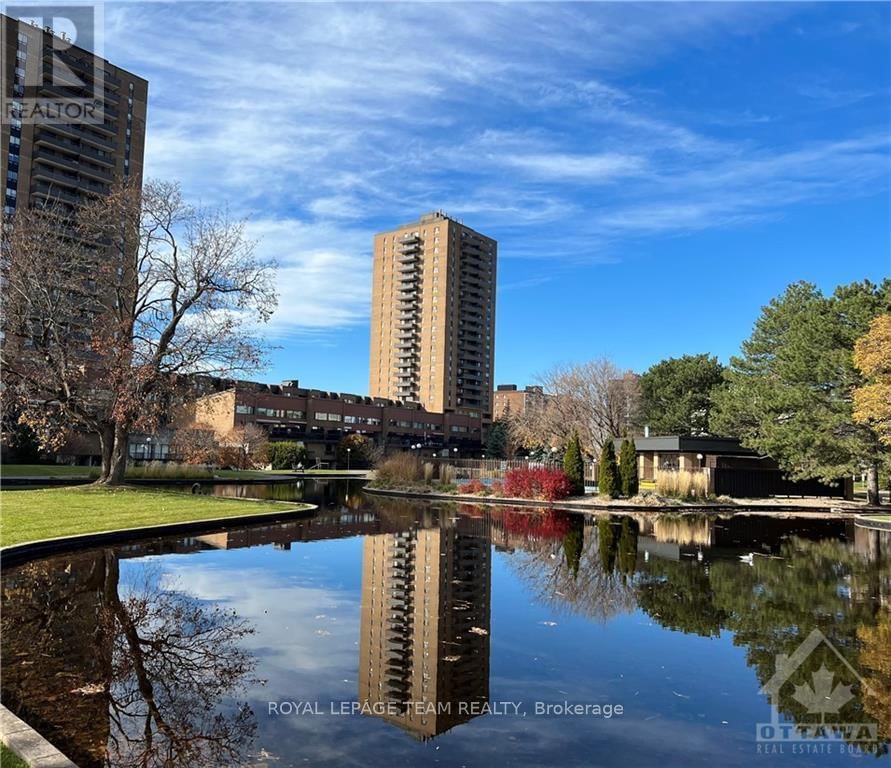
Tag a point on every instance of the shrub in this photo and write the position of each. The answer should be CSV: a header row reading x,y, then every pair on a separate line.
x,y
497,488
473,486
548,484
574,466
399,468
428,472
608,478
446,474
286,454
682,484
628,468
169,470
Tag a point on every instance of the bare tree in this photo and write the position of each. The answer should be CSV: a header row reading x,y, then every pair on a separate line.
x,y
196,443
108,311
595,399
244,447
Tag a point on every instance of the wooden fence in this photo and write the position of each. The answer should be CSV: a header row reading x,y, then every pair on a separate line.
x,y
762,483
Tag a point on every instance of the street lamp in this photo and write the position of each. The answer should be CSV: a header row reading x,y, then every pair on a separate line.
x,y
699,456
349,450
148,448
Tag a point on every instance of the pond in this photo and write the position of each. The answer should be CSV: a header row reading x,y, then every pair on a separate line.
x,y
394,632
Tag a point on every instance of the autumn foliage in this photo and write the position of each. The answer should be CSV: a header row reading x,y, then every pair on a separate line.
x,y
872,356
539,483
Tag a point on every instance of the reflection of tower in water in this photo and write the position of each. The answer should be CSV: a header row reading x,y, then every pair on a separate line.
x,y
424,649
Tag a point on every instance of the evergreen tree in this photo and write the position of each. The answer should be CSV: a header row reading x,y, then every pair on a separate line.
x,y
676,394
790,393
628,468
609,483
574,465
497,440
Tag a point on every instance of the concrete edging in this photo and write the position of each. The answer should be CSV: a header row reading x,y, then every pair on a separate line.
x,y
865,521
28,744
571,506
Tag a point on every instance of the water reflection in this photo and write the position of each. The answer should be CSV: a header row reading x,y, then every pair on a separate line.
x,y
424,648
137,671
131,675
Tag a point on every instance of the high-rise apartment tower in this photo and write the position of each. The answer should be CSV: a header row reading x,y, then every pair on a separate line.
x,y
433,316
64,158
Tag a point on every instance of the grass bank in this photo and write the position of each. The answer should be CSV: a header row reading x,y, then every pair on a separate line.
x,y
9,759
47,513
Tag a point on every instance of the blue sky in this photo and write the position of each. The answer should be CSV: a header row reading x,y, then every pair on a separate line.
x,y
653,173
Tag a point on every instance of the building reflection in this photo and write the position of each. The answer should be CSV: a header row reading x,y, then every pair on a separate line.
x,y
424,646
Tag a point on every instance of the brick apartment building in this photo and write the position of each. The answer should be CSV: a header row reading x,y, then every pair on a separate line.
x,y
508,399
433,316
320,419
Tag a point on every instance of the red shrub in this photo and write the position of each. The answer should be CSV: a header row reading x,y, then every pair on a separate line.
x,y
473,486
497,488
555,485
548,484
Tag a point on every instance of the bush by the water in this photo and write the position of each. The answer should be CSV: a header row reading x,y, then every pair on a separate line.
x,y
404,468
541,483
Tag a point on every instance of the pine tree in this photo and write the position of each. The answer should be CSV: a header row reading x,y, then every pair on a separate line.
x,y
628,468
574,466
608,482
497,441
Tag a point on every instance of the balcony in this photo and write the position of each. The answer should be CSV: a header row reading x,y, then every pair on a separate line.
x,y
51,192
40,171
45,135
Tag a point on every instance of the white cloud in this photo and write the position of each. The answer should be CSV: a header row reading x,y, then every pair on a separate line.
x,y
326,123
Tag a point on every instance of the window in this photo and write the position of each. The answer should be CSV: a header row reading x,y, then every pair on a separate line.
x,y
275,413
244,410
295,415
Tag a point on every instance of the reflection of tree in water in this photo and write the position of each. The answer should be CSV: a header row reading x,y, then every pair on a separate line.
x,y
141,672
773,605
572,545
678,595
174,660
568,579
875,661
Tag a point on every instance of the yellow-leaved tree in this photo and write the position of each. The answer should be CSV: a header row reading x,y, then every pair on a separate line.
x,y
872,356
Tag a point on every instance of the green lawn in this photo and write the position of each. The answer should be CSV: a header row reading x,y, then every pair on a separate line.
x,y
9,759
47,513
